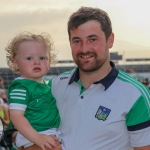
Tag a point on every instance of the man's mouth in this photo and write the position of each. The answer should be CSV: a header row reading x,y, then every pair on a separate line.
x,y
87,55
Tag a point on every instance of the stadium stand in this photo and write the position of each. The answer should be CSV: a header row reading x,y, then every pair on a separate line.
x,y
8,75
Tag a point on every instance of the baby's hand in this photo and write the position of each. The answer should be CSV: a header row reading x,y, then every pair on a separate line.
x,y
45,141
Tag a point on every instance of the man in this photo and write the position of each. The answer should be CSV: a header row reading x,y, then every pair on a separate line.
x,y
101,107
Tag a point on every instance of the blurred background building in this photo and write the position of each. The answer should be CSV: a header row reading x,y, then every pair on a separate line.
x,y
136,63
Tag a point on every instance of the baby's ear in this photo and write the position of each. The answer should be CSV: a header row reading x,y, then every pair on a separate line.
x,y
15,66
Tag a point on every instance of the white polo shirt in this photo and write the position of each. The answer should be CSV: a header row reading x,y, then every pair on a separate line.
x,y
112,114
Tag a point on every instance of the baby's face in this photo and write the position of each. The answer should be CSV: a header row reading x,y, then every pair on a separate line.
x,y
32,60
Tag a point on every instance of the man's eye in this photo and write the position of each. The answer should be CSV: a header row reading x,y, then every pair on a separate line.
x,y
76,41
29,58
93,39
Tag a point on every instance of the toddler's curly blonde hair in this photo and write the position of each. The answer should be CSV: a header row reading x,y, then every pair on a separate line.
x,y
13,45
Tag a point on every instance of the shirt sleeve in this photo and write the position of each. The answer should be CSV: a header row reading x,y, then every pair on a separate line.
x,y
138,121
18,98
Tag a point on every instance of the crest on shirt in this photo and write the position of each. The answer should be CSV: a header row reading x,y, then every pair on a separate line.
x,y
102,113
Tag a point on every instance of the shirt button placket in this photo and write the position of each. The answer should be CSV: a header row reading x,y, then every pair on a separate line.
x,y
82,96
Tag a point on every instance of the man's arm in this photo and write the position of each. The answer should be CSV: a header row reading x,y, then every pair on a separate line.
x,y
57,148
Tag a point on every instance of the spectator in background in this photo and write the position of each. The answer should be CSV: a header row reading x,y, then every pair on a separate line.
x,y
3,93
2,83
4,115
4,98
13,137
146,82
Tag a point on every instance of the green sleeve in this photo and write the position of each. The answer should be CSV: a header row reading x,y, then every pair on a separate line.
x,y
139,113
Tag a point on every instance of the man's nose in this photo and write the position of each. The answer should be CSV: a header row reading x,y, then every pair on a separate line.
x,y
85,46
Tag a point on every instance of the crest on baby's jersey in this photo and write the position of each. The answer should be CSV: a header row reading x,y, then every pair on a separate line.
x,y
102,113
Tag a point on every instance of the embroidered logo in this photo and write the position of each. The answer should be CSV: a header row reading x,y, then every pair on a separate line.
x,y
62,78
37,100
102,113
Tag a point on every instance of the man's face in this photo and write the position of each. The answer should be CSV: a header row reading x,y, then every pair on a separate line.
x,y
90,49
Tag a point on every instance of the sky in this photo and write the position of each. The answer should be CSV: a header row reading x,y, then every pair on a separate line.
x,y
130,22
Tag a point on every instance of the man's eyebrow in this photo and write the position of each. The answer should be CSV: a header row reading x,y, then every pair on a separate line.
x,y
92,35
75,38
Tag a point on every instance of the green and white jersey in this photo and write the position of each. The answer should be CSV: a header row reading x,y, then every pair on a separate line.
x,y
112,114
37,102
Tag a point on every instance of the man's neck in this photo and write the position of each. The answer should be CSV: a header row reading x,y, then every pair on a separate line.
x,y
88,78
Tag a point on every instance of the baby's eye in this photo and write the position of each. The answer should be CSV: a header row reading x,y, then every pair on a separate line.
x,y
29,58
43,58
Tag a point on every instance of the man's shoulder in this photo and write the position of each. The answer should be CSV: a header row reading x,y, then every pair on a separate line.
x,y
61,78
65,75
133,83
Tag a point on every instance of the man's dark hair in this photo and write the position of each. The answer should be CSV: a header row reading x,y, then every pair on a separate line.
x,y
85,14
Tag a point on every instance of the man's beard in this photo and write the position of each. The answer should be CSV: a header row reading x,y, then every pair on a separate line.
x,y
88,66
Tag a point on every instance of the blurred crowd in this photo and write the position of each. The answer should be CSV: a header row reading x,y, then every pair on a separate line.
x,y
8,140
3,103
146,82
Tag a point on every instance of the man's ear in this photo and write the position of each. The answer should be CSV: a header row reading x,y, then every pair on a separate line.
x,y
111,40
